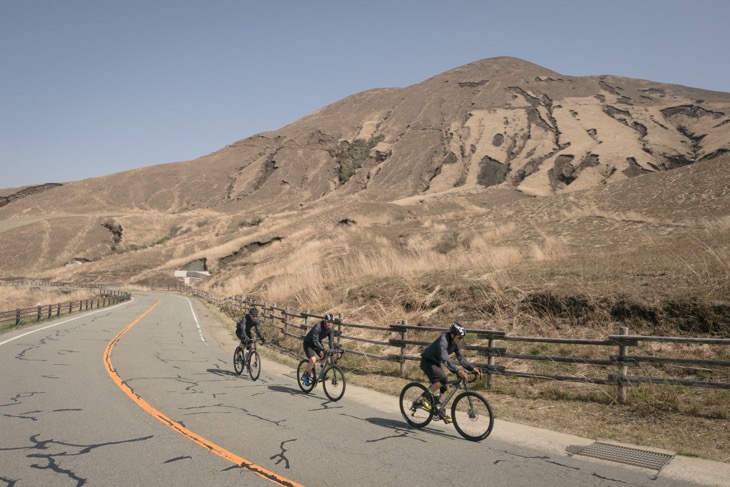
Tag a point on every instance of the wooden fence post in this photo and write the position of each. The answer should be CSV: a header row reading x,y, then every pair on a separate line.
x,y
39,313
339,329
490,361
17,316
622,368
403,336
286,322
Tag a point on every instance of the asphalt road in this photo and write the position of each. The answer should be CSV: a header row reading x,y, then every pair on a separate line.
x,y
144,393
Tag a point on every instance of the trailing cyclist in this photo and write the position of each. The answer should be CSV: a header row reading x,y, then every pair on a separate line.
x,y
313,347
244,328
438,353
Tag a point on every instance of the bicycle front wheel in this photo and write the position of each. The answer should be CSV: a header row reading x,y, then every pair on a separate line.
x,y
473,416
254,365
300,373
334,383
415,406
238,360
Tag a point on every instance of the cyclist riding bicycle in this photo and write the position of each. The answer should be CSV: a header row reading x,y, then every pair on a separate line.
x,y
246,324
313,347
436,354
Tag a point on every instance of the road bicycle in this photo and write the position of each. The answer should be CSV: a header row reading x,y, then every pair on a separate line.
x,y
327,372
471,413
248,359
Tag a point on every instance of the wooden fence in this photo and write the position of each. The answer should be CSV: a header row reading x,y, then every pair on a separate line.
x,y
612,355
48,311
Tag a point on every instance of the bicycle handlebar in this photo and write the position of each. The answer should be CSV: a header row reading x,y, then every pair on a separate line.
x,y
474,377
473,373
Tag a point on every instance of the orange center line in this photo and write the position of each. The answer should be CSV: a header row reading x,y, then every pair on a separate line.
x,y
209,445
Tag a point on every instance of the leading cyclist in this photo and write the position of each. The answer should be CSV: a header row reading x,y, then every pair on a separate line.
x,y
436,354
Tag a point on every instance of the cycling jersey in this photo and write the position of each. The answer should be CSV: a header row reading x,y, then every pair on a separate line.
x,y
313,339
438,352
245,325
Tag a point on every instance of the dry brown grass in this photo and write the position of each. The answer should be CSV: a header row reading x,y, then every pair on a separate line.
x,y
12,297
543,289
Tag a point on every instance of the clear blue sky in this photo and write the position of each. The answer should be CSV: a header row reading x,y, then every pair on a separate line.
x,y
94,87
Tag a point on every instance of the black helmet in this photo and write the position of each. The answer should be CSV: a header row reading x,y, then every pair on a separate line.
x,y
253,311
457,329
329,317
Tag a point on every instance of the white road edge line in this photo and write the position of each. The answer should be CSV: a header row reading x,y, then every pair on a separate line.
x,y
65,321
200,332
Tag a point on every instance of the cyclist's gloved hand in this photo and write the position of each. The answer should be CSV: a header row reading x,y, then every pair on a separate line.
x,y
461,373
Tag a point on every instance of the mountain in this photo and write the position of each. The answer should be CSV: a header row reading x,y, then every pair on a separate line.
x,y
499,140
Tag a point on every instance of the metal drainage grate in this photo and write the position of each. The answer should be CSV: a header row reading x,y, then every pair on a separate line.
x,y
629,456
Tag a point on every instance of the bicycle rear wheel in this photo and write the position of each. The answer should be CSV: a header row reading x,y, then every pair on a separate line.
x,y
473,416
334,383
415,406
300,372
254,365
238,360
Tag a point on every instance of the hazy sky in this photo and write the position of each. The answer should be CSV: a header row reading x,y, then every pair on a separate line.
x,y
94,87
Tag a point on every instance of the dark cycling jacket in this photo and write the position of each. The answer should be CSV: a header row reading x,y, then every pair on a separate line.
x,y
438,352
245,324
317,333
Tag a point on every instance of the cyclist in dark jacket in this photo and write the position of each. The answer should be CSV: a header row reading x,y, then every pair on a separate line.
x,y
438,353
313,347
246,324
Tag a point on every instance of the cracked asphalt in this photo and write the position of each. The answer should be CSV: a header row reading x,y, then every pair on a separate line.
x,y
64,421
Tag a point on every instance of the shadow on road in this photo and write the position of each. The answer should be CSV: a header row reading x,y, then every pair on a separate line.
x,y
222,372
288,390
400,425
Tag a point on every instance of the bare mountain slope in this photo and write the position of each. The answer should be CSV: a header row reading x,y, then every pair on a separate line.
x,y
497,130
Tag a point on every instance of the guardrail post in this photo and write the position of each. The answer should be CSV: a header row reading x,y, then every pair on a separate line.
x,y
403,337
622,368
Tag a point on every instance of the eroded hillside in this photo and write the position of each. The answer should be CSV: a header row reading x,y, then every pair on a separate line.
x,y
500,159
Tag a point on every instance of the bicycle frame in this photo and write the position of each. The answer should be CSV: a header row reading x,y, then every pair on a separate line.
x,y
471,414
454,386
327,372
242,357
329,360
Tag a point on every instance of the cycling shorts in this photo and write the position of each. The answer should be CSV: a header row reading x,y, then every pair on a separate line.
x,y
434,372
309,350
